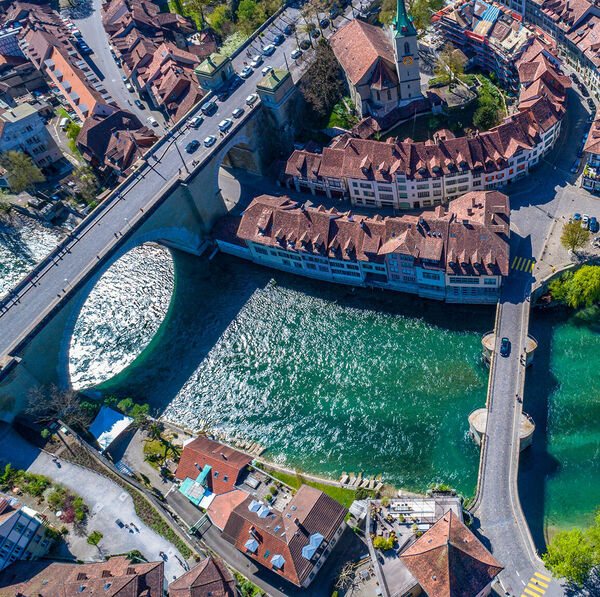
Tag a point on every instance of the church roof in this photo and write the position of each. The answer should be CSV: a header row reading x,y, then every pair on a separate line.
x,y
449,561
403,24
358,45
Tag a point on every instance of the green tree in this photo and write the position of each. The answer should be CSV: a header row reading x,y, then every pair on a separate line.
x,y
450,62
94,537
219,17
583,289
21,172
382,543
573,236
125,405
195,8
250,14
571,555
485,117
87,183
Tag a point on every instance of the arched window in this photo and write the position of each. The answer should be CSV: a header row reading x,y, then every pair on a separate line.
x,y
406,48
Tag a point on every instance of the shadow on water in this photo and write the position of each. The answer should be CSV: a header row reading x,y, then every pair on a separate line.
x,y
537,465
209,295
11,238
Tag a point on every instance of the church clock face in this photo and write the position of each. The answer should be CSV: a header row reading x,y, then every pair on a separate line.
x,y
408,60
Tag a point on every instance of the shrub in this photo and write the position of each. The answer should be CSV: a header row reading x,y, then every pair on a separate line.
x,y
383,543
45,433
94,537
269,497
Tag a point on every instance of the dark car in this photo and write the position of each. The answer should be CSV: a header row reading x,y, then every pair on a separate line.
x,y
315,33
192,146
334,12
580,151
289,29
278,40
574,78
583,90
324,23
593,225
223,95
304,44
119,523
235,83
138,103
209,108
591,104
505,347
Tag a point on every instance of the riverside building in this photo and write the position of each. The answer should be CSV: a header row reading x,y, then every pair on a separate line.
x,y
458,254
411,175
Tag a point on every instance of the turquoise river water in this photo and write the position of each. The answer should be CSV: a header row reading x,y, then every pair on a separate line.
x,y
331,379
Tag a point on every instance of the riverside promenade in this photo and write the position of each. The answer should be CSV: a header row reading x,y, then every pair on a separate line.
x,y
502,523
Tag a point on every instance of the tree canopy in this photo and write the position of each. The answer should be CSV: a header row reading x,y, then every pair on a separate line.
x,y
21,172
87,183
573,554
573,236
250,15
577,289
485,117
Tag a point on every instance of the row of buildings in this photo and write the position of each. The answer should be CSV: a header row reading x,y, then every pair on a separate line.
x,y
410,175
458,253
36,37
159,52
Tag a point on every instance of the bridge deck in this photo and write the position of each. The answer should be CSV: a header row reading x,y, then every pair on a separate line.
x,y
497,504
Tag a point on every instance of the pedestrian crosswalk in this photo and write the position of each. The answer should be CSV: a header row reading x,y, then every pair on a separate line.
x,y
536,586
522,264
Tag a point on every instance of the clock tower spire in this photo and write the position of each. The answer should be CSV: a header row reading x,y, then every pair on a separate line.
x,y
406,54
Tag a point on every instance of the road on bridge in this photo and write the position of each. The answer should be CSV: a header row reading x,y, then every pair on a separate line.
x,y
497,504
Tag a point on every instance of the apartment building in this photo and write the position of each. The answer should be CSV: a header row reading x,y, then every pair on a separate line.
x,y
293,543
458,254
22,534
591,172
22,129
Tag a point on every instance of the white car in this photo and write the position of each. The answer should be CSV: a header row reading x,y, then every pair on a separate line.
x,y
296,53
238,112
195,121
269,50
129,87
256,61
210,140
152,121
265,71
251,99
246,72
585,220
225,125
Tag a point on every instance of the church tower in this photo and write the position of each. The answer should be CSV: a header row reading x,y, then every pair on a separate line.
x,y
406,53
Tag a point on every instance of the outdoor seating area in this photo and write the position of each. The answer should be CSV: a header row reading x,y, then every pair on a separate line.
x,y
263,487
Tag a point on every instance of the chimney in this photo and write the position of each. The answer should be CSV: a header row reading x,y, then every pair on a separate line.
x,y
223,455
3,504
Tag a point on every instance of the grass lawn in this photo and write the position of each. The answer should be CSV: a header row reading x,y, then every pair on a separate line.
x,y
341,495
341,117
63,113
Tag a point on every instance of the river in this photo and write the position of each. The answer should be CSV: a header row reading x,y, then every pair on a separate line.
x,y
331,379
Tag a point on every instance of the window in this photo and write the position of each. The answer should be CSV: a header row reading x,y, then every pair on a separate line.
x,y
423,194
430,276
261,250
216,474
225,478
389,95
267,553
490,281
406,48
386,197
476,183
365,185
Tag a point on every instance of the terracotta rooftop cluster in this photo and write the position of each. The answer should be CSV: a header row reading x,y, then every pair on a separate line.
x,y
542,103
470,237
564,13
587,38
154,51
289,542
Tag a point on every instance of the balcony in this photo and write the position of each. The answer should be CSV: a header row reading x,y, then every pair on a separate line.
x,y
591,172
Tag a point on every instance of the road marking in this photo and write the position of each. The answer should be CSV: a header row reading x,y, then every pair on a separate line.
x,y
518,263
531,592
539,582
542,576
514,261
536,588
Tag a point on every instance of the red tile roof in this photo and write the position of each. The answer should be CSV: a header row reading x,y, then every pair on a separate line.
x,y
117,577
358,46
209,578
286,533
223,460
470,238
449,561
223,505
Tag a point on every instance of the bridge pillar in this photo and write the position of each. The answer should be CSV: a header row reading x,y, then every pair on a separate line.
x,y
478,426
488,343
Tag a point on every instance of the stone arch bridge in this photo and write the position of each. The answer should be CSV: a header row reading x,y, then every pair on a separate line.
x,y
170,199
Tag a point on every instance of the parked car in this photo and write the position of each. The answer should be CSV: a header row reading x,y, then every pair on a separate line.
x,y
580,151
575,166
278,39
585,220
505,347
583,90
324,23
210,140
334,12
223,95
576,217
591,104
256,61
251,99
315,33
124,77
129,87
139,104
593,225
304,44
238,112
225,125
152,121
192,146
208,108
195,121
235,83
269,50
246,72
296,54
266,70
574,78
289,29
